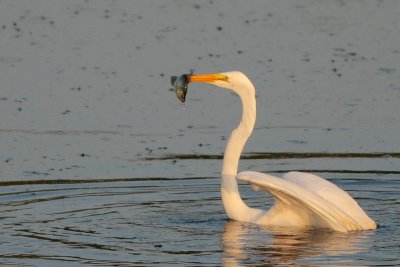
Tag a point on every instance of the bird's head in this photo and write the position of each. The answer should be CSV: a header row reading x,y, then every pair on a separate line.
x,y
232,80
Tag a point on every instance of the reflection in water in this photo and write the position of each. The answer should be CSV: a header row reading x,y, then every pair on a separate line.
x,y
248,244
178,222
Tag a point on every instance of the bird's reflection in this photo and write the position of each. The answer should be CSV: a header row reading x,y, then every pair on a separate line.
x,y
252,245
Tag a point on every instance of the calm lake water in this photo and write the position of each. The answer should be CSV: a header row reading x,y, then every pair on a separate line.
x,y
100,165
142,222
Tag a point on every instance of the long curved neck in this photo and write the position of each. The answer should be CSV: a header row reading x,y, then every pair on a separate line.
x,y
234,206
240,135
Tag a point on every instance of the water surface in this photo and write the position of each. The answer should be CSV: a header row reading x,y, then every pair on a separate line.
x,y
100,165
146,222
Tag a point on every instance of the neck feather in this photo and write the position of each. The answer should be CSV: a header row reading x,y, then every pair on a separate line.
x,y
240,135
234,206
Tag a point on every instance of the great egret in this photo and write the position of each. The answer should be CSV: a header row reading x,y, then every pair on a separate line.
x,y
301,199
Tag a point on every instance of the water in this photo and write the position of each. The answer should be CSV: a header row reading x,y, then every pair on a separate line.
x,y
100,164
145,222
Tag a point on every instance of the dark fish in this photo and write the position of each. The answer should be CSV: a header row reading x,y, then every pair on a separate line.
x,y
180,86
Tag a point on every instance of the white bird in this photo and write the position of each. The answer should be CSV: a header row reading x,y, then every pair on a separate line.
x,y
301,199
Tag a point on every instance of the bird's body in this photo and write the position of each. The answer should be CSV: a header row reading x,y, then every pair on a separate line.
x,y
301,199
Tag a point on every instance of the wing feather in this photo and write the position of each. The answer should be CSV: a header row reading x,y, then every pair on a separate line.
x,y
331,193
305,199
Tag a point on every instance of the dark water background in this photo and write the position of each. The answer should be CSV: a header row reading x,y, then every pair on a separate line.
x,y
100,164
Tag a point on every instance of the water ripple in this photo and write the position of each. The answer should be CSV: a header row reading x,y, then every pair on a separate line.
x,y
180,221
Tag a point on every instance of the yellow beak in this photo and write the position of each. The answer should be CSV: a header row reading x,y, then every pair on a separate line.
x,y
207,78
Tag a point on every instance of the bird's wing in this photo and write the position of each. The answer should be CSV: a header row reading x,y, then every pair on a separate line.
x,y
297,203
333,194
